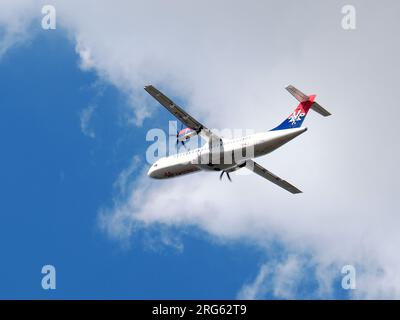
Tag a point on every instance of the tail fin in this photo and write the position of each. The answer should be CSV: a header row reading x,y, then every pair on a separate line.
x,y
297,117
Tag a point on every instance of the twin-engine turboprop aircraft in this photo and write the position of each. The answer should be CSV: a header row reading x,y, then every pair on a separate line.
x,y
226,155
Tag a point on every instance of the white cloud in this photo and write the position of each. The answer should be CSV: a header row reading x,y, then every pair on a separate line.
x,y
123,181
15,18
85,54
230,61
85,116
256,289
287,276
280,279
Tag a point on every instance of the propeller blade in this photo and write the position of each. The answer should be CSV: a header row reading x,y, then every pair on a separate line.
x,y
227,174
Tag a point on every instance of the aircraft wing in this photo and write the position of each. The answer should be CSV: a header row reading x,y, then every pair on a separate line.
x,y
181,114
261,171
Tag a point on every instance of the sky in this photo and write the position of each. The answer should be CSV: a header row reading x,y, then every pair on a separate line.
x,y
74,118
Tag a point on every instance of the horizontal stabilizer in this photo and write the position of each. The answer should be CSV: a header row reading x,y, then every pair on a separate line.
x,y
303,98
300,96
322,111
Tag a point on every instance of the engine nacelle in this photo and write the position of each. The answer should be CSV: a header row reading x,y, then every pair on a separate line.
x,y
185,134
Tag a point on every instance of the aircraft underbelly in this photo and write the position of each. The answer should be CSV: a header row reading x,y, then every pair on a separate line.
x,y
177,170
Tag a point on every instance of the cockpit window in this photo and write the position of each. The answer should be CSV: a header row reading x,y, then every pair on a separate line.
x,y
155,165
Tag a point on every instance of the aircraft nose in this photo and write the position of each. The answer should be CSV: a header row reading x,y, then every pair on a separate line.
x,y
153,173
150,173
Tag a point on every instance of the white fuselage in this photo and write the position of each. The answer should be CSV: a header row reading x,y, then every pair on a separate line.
x,y
228,154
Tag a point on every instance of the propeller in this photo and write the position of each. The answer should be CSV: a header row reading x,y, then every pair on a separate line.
x,y
177,137
227,174
177,140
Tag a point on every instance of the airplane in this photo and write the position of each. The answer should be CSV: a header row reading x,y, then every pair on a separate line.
x,y
220,154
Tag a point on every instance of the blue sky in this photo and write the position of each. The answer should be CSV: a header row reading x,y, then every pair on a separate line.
x,y
54,179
